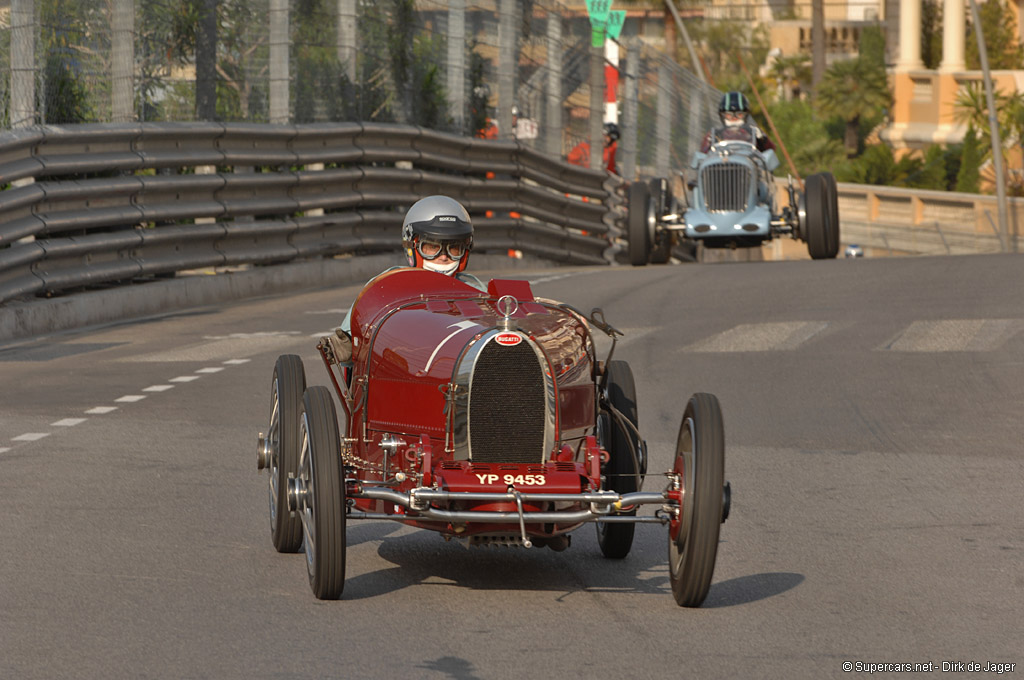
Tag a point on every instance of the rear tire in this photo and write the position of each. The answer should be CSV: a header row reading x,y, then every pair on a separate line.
x,y
700,464
623,472
641,213
661,253
817,215
322,505
833,213
288,384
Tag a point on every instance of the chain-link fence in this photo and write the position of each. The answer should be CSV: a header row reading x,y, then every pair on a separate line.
x,y
497,68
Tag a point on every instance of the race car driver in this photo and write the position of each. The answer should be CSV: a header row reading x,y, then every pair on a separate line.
x,y
734,112
437,234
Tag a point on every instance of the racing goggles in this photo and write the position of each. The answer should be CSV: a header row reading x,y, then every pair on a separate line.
x,y
431,250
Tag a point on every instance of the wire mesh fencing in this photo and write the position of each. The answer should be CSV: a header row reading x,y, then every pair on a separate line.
x,y
501,69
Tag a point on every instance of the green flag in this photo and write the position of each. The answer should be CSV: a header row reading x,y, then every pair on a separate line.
x,y
598,11
616,18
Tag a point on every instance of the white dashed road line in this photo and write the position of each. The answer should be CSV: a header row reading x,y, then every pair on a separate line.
x,y
30,436
128,398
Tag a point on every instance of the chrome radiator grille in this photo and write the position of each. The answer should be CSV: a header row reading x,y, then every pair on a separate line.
x,y
507,406
726,187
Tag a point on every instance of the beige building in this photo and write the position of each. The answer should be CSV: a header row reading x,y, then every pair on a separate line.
x,y
924,99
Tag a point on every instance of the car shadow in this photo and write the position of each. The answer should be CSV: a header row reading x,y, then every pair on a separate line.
x,y
421,558
747,589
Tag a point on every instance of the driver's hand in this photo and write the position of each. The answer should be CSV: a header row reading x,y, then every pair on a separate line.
x,y
341,346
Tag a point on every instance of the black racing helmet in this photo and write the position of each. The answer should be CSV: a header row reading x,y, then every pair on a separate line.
x,y
733,102
437,225
612,130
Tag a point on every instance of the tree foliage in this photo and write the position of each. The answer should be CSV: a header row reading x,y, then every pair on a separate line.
x,y
1001,42
853,89
968,176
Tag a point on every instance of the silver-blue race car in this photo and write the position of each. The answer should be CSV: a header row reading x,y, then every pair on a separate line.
x,y
732,203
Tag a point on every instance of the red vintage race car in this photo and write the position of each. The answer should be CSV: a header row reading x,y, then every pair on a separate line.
x,y
488,418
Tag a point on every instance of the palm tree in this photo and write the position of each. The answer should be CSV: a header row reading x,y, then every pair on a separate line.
x,y
791,73
853,89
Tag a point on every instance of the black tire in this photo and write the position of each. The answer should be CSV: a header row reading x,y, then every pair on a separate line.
x,y
641,212
662,250
623,472
833,213
322,501
816,217
286,390
700,462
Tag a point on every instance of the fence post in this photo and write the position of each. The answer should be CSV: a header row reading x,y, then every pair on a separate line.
x,y
457,63
630,110
122,62
347,40
553,114
663,133
507,53
279,61
23,83
596,139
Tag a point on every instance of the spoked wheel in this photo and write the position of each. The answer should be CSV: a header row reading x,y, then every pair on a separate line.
x,y
320,495
641,223
283,448
700,465
626,463
818,213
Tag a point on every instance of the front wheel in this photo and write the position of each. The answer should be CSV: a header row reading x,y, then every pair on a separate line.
x,y
320,495
820,232
641,221
700,471
283,444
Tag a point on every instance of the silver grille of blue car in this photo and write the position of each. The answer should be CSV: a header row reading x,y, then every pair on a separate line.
x,y
507,397
726,187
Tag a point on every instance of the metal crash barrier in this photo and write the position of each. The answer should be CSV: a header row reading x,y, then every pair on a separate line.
x,y
104,204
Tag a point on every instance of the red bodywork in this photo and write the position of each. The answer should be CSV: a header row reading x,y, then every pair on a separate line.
x,y
414,332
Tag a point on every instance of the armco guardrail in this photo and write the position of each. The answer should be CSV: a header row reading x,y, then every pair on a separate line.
x,y
104,203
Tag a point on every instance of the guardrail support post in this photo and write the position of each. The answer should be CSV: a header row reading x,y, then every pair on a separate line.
x,y
630,110
279,61
507,53
456,88
23,81
553,112
122,62
347,38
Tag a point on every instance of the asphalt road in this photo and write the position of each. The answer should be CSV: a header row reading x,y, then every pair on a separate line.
x,y
874,419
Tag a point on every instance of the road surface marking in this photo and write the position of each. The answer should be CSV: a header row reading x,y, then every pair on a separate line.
x,y
236,362
30,436
211,369
100,410
955,335
158,388
184,378
760,337
68,422
130,398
